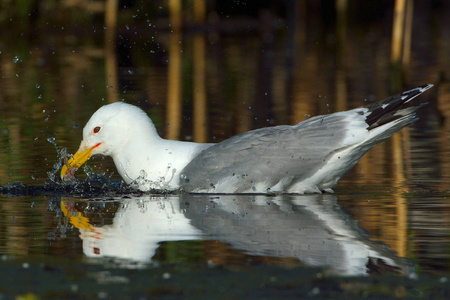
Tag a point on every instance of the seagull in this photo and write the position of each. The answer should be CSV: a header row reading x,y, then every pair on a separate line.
x,y
309,157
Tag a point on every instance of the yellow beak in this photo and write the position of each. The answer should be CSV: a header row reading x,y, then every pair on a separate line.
x,y
73,164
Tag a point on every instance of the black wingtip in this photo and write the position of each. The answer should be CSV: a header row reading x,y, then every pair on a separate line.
x,y
386,111
407,96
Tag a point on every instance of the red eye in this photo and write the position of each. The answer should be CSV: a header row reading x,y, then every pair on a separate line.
x,y
97,129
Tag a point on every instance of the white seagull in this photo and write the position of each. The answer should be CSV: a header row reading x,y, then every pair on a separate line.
x,y
309,157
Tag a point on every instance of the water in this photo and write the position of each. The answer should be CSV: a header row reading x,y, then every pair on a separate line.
x,y
389,215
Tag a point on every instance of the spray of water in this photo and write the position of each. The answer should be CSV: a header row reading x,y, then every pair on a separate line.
x,y
62,159
95,185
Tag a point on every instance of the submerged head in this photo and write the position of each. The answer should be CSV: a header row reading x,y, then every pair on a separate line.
x,y
106,133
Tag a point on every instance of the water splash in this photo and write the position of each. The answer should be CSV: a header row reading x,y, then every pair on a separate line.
x,y
62,158
159,186
94,185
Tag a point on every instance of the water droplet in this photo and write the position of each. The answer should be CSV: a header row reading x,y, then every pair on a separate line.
x,y
51,140
75,125
16,59
40,96
130,72
183,176
38,85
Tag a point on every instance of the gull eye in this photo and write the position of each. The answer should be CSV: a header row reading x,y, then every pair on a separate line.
x,y
97,129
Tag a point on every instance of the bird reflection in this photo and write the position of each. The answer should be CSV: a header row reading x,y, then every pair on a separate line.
x,y
313,229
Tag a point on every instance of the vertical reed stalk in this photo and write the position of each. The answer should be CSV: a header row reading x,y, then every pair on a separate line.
x,y
111,73
199,89
174,107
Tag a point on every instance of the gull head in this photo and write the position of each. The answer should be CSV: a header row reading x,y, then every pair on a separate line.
x,y
109,130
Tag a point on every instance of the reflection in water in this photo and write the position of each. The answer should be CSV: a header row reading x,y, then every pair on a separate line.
x,y
137,228
313,229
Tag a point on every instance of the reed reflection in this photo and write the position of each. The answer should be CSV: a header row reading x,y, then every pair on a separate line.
x,y
200,131
111,72
312,229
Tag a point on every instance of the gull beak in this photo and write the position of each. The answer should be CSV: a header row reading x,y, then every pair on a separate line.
x,y
78,159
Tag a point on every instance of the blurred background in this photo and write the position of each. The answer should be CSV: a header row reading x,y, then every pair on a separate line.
x,y
207,70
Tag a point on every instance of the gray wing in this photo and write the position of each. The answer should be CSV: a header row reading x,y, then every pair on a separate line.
x,y
269,154
294,153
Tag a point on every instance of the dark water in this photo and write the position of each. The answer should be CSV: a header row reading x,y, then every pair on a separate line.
x,y
389,215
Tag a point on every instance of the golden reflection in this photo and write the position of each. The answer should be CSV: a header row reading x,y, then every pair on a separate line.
x,y
398,30
111,72
390,218
199,77
408,33
174,100
400,188
176,15
174,85
401,41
